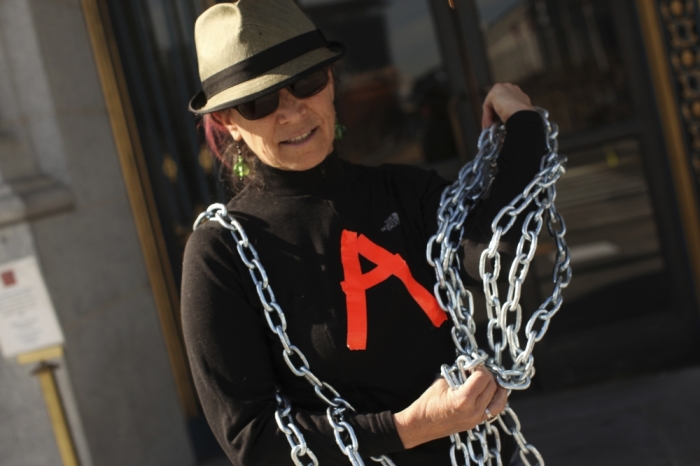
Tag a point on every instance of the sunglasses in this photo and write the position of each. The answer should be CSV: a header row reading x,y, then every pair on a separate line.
x,y
301,89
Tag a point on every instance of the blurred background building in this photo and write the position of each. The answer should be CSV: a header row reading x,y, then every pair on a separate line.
x,y
102,172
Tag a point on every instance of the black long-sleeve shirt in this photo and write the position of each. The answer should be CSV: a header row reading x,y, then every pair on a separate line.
x,y
297,222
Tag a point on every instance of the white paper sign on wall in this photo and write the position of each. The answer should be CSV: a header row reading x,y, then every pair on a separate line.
x,y
27,318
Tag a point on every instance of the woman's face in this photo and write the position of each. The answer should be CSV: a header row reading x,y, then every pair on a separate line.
x,y
296,136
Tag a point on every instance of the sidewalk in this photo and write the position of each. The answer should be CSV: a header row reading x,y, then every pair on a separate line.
x,y
651,420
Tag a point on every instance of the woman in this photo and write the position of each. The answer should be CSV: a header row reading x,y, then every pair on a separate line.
x,y
320,225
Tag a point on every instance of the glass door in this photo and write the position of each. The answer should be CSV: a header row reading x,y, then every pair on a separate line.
x,y
394,90
582,60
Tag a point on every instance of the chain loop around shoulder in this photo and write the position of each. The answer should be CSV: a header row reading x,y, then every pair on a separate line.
x,y
296,360
482,444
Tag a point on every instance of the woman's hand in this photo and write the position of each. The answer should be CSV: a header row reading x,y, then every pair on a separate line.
x,y
501,102
441,411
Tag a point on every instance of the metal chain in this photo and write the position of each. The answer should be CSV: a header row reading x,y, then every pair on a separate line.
x,y
277,322
294,436
482,444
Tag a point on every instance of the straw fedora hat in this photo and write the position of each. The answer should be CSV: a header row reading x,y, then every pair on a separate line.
x,y
248,48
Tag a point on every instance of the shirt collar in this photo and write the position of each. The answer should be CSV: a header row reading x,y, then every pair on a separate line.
x,y
294,182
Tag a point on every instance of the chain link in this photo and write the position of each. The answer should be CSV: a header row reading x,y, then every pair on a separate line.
x,y
505,316
296,360
294,436
482,444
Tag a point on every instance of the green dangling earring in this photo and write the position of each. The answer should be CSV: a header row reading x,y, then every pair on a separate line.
x,y
240,168
339,130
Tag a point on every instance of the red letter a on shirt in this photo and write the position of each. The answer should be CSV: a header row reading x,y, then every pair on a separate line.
x,y
357,283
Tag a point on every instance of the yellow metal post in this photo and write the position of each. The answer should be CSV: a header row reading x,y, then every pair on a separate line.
x,y
57,415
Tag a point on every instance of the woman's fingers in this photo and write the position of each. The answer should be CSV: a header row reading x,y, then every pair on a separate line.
x,y
503,100
485,397
441,411
497,404
488,117
499,401
489,395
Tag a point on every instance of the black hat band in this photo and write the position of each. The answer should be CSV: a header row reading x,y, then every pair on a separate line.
x,y
263,62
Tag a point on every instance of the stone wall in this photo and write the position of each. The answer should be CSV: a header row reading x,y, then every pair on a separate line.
x,y
63,199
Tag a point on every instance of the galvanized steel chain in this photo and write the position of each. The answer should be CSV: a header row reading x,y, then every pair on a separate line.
x,y
283,416
504,319
277,322
482,444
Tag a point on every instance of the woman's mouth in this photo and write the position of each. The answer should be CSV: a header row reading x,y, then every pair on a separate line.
x,y
301,139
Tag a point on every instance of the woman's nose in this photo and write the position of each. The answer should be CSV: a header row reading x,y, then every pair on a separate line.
x,y
290,108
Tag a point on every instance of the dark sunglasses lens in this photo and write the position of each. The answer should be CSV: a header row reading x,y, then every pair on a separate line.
x,y
260,107
265,105
310,85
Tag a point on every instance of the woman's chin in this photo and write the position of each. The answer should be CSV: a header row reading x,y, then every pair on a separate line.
x,y
306,161
305,155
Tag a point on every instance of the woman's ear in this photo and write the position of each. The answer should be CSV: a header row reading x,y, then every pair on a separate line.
x,y
226,119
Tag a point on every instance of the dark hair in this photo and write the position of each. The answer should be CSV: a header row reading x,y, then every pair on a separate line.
x,y
225,148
